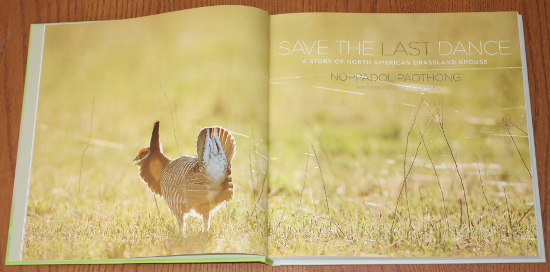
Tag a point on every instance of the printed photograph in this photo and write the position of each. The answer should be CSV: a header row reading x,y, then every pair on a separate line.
x,y
226,130
399,138
151,138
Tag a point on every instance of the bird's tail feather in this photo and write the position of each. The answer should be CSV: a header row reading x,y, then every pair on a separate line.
x,y
226,139
154,145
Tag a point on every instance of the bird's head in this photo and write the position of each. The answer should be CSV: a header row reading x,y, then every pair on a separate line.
x,y
148,153
142,156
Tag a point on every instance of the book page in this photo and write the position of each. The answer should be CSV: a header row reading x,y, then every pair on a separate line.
x,y
100,187
400,135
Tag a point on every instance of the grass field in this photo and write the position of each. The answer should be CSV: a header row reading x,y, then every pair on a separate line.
x,y
339,169
397,167
101,93
352,172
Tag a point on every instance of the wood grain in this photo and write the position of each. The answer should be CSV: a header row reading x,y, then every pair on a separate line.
x,y
16,17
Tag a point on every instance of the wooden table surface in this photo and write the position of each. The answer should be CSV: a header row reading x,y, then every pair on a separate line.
x,y
16,17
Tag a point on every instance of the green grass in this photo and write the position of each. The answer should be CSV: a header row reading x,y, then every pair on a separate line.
x,y
87,202
100,94
108,212
361,157
135,229
360,225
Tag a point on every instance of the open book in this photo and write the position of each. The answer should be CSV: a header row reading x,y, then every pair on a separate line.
x,y
311,138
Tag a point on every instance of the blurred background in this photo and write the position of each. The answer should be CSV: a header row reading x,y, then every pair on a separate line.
x,y
103,85
341,150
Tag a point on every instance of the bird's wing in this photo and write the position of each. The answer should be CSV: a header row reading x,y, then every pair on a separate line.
x,y
182,182
194,190
215,150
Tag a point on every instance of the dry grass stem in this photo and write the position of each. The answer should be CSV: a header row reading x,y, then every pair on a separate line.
x,y
403,185
172,116
405,154
523,216
482,185
439,120
507,123
508,211
303,185
252,180
87,145
445,211
322,178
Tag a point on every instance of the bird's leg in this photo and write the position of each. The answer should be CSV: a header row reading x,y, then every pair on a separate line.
x,y
180,222
183,226
206,221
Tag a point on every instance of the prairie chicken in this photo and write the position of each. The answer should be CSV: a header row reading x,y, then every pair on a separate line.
x,y
188,184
